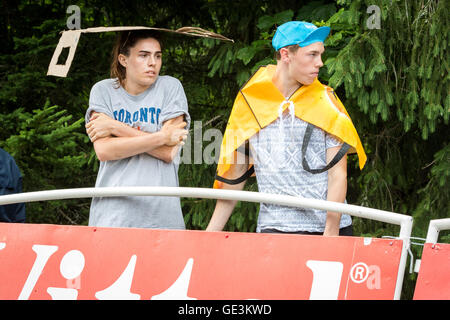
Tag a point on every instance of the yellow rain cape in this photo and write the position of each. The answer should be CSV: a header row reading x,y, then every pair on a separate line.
x,y
257,104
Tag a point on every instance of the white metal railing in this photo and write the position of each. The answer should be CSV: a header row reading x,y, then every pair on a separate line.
x,y
404,221
435,227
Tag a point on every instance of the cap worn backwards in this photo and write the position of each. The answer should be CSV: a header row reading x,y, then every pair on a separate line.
x,y
298,32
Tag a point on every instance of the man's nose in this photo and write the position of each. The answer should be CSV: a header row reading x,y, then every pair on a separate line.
x,y
319,62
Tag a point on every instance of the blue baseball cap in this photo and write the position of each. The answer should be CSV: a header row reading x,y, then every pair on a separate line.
x,y
298,32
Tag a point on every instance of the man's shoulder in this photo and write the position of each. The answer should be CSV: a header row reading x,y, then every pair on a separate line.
x,y
4,155
319,84
8,168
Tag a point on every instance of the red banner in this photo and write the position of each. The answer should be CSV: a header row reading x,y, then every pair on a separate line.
x,y
433,281
77,262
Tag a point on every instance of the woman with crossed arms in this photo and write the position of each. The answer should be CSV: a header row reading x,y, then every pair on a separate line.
x,y
137,121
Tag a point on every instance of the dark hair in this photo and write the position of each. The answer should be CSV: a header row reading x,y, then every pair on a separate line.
x,y
124,41
292,48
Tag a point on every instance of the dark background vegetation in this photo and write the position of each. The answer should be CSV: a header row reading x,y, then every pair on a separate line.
x,y
394,82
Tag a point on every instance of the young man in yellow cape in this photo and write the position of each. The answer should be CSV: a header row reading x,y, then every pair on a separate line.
x,y
295,133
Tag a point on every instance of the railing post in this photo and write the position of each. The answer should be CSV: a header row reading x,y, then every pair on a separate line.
x,y
435,227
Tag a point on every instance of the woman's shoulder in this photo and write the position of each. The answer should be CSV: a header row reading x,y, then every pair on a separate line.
x,y
169,81
106,83
105,87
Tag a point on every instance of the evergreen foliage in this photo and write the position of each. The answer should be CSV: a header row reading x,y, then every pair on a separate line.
x,y
52,152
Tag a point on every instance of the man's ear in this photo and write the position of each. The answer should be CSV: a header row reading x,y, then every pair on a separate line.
x,y
284,54
122,60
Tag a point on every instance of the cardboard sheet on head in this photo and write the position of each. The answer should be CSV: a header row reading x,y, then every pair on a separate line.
x,y
70,38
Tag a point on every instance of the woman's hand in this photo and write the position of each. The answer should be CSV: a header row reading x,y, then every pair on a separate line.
x,y
174,132
100,126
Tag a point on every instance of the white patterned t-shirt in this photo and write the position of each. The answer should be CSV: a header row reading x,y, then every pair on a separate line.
x,y
277,156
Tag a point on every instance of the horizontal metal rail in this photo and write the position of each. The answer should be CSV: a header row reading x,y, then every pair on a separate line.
x,y
435,227
404,221
249,196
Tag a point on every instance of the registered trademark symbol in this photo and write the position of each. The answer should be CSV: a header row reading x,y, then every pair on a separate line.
x,y
359,272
